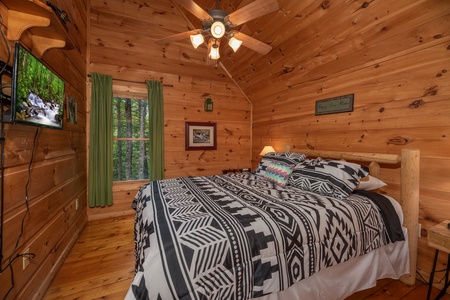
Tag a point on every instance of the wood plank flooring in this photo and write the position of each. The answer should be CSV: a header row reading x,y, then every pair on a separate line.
x,y
101,263
100,266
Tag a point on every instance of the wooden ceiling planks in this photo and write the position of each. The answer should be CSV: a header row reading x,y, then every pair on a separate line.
x,y
135,26
307,45
123,35
319,47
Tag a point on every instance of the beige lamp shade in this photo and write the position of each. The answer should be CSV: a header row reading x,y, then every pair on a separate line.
x,y
213,48
267,149
197,40
234,43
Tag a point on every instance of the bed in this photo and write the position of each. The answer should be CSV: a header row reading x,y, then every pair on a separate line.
x,y
289,230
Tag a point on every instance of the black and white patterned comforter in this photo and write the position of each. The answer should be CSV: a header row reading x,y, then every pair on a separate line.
x,y
238,236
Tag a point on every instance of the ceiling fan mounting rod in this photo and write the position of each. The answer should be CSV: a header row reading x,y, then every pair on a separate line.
x,y
218,15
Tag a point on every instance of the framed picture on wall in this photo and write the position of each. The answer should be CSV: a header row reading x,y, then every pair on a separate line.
x,y
201,136
335,105
71,110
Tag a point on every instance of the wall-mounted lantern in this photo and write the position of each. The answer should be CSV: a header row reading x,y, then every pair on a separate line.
x,y
209,105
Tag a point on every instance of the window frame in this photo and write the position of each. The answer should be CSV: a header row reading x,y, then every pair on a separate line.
x,y
133,90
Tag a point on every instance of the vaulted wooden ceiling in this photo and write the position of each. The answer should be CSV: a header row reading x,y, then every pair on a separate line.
x,y
124,33
309,38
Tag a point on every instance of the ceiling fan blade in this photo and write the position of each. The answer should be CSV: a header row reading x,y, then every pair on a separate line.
x,y
195,9
176,37
253,43
252,11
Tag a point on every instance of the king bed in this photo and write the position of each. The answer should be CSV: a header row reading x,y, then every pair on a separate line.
x,y
306,225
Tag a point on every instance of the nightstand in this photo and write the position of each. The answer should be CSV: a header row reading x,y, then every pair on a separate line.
x,y
439,239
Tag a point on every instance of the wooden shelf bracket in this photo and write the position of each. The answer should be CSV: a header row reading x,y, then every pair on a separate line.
x,y
42,44
18,22
45,28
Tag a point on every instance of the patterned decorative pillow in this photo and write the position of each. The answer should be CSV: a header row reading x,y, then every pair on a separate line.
x,y
332,178
278,173
287,158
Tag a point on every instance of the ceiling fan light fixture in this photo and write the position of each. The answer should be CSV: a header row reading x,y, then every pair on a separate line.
x,y
214,49
234,43
217,29
197,40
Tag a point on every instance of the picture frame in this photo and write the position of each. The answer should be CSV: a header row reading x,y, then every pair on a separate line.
x,y
72,110
335,105
201,136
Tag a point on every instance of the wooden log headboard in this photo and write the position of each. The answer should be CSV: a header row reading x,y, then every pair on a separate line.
x,y
409,164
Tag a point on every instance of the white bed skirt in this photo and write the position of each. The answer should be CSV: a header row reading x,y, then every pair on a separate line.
x,y
343,280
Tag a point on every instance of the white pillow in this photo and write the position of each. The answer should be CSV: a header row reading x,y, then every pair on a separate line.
x,y
372,183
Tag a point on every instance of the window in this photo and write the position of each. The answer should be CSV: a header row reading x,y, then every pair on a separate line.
x,y
130,139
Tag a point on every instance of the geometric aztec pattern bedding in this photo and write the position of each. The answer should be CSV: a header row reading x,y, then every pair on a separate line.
x,y
239,236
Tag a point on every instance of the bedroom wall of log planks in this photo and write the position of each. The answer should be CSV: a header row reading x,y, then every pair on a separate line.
x,y
393,56
58,172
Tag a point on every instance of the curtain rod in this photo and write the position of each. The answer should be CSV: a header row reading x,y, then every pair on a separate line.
x,y
135,81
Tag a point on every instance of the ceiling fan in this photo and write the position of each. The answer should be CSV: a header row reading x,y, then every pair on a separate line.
x,y
218,23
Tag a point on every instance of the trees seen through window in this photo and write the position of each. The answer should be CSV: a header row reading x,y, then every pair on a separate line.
x,y
130,139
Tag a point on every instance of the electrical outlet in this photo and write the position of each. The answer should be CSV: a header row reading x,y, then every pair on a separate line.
x,y
419,230
76,204
26,258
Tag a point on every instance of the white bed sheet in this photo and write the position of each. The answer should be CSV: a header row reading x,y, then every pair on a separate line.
x,y
343,280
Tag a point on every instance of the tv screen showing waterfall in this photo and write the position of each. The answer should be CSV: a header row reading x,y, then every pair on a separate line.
x,y
38,92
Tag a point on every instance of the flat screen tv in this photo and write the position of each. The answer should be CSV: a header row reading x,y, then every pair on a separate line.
x,y
38,93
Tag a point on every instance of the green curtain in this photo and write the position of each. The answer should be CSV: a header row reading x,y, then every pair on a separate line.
x,y
156,121
100,151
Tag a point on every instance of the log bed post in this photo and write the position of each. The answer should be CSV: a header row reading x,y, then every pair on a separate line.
x,y
409,199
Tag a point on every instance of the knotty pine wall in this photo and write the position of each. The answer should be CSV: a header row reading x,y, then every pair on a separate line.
x,y
57,178
395,59
121,45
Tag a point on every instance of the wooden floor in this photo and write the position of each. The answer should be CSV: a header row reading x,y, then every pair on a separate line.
x,y
100,266
101,263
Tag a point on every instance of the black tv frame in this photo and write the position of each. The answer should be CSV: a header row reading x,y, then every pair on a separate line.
x,y
14,94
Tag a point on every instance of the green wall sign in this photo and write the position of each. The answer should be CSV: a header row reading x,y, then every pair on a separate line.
x,y
334,105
